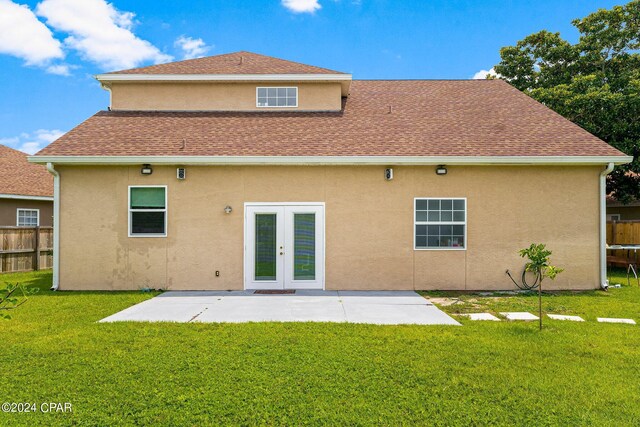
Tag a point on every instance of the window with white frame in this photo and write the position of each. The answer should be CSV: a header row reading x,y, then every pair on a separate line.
x,y
440,223
28,217
277,97
148,211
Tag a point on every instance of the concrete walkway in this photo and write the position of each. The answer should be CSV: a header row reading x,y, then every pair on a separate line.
x,y
376,307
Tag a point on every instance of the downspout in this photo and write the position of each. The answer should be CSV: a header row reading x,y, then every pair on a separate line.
x,y
56,226
107,87
604,282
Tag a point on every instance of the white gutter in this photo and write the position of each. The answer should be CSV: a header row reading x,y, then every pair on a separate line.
x,y
333,160
56,226
23,197
221,77
604,282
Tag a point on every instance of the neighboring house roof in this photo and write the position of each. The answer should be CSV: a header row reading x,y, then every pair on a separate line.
x,y
612,202
231,63
21,178
379,118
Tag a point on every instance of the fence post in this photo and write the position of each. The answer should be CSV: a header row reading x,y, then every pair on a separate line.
x,y
37,250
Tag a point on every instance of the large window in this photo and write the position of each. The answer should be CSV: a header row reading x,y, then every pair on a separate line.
x,y
440,223
28,217
277,97
148,211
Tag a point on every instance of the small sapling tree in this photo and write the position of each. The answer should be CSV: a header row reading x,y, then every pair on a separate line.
x,y
10,298
540,265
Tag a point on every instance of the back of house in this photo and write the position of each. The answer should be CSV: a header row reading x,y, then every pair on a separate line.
x,y
243,171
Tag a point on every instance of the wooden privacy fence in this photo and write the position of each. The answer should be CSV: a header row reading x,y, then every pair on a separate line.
x,y
623,233
26,248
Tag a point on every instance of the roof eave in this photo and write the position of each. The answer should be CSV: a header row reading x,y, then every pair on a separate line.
x,y
333,160
26,197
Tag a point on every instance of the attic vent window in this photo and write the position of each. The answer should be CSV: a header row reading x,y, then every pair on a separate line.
x,y
277,97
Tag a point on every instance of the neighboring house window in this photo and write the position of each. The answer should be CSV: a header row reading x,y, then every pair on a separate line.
x,y
277,97
440,223
28,217
613,217
148,211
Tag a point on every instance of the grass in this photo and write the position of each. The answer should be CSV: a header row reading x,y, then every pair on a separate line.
x,y
617,302
497,373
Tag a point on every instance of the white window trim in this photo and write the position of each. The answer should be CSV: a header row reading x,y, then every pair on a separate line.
x,y
415,222
165,210
277,87
27,209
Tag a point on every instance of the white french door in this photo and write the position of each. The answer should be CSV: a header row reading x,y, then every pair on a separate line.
x,y
284,246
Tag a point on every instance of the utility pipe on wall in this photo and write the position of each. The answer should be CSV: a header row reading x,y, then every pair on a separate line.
x,y
604,282
56,226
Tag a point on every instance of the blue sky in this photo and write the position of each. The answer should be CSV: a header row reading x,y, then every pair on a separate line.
x,y
50,49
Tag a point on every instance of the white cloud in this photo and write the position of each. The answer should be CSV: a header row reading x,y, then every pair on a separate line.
x,y
31,143
482,74
10,141
100,33
301,6
24,36
192,48
59,69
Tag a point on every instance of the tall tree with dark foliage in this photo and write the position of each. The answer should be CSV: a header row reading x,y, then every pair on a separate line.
x,y
595,82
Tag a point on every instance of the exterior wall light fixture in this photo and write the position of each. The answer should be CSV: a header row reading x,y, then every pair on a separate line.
x,y
146,169
227,209
441,170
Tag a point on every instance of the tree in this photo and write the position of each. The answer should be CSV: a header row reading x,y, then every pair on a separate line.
x,y
539,264
9,299
595,82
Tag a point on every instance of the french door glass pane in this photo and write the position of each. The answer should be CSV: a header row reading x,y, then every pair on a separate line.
x,y
265,262
304,246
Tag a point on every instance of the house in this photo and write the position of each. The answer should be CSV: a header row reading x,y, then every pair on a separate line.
x,y
243,171
617,211
26,191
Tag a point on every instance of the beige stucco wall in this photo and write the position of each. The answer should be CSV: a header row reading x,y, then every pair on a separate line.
x,y
369,225
186,96
9,211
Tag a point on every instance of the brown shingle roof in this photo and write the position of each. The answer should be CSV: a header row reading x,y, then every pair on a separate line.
x,y
427,118
231,63
20,177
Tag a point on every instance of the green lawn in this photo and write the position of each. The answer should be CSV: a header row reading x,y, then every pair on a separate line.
x,y
484,373
622,302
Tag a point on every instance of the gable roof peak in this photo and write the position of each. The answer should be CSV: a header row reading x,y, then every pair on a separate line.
x,y
240,62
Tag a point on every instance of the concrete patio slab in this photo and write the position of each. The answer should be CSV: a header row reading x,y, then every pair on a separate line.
x,y
614,320
375,307
519,315
481,316
566,317
155,311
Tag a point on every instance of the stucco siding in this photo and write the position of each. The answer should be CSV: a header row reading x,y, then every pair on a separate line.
x,y
369,225
218,96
